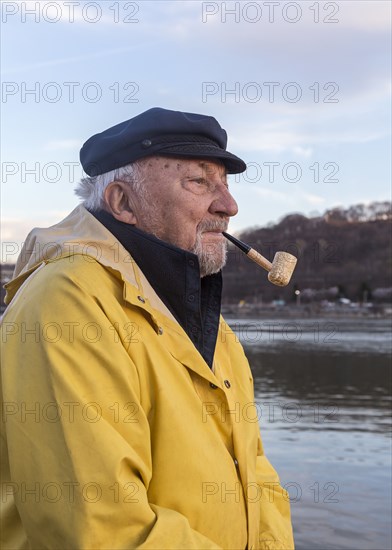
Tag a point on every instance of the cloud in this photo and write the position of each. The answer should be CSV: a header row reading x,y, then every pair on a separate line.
x,y
313,199
15,230
300,134
296,196
266,193
61,145
65,12
305,152
368,16
69,60
371,15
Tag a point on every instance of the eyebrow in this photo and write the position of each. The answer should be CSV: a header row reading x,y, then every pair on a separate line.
x,y
206,164
205,179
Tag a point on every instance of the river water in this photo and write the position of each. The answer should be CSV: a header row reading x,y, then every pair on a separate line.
x,y
323,397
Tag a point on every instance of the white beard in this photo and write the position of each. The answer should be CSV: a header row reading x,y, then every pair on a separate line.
x,y
212,257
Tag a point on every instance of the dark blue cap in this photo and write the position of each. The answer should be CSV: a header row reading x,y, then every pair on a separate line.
x,y
158,132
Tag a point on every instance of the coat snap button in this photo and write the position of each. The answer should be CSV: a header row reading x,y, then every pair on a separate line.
x,y
146,143
236,462
227,384
160,330
213,386
141,299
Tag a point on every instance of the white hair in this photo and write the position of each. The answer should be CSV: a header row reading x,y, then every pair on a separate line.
x,y
91,189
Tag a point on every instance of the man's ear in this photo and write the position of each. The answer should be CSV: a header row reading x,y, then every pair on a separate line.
x,y
117,202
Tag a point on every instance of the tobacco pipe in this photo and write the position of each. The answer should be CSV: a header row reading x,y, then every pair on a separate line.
x,y
281,268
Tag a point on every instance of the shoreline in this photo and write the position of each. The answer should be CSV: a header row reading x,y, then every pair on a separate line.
x,y
379,311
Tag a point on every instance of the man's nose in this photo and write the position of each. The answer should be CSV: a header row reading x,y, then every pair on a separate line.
x,y
223,203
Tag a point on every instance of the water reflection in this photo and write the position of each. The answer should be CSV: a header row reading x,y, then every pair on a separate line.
x,y
324,411
342,391
331,335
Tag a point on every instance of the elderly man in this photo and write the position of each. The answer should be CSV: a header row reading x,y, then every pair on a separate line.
x,y
128,419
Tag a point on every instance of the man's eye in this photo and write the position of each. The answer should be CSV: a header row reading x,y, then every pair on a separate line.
x,y
200,181
198,185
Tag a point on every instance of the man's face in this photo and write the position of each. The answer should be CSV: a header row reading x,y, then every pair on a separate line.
x,y
187,204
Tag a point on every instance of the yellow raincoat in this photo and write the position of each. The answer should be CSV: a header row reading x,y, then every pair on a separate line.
x,y
116,433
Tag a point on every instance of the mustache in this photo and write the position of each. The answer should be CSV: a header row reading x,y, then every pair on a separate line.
x,y
212,225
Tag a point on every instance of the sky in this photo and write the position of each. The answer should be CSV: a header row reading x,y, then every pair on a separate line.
x,y
302,89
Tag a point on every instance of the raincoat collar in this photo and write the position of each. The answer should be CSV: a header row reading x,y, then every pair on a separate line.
x,y
175,276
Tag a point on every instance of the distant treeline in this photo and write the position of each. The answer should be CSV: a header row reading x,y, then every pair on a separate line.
x,y
344,253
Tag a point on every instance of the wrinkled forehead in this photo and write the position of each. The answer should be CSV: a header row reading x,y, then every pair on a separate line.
x,y
182,167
